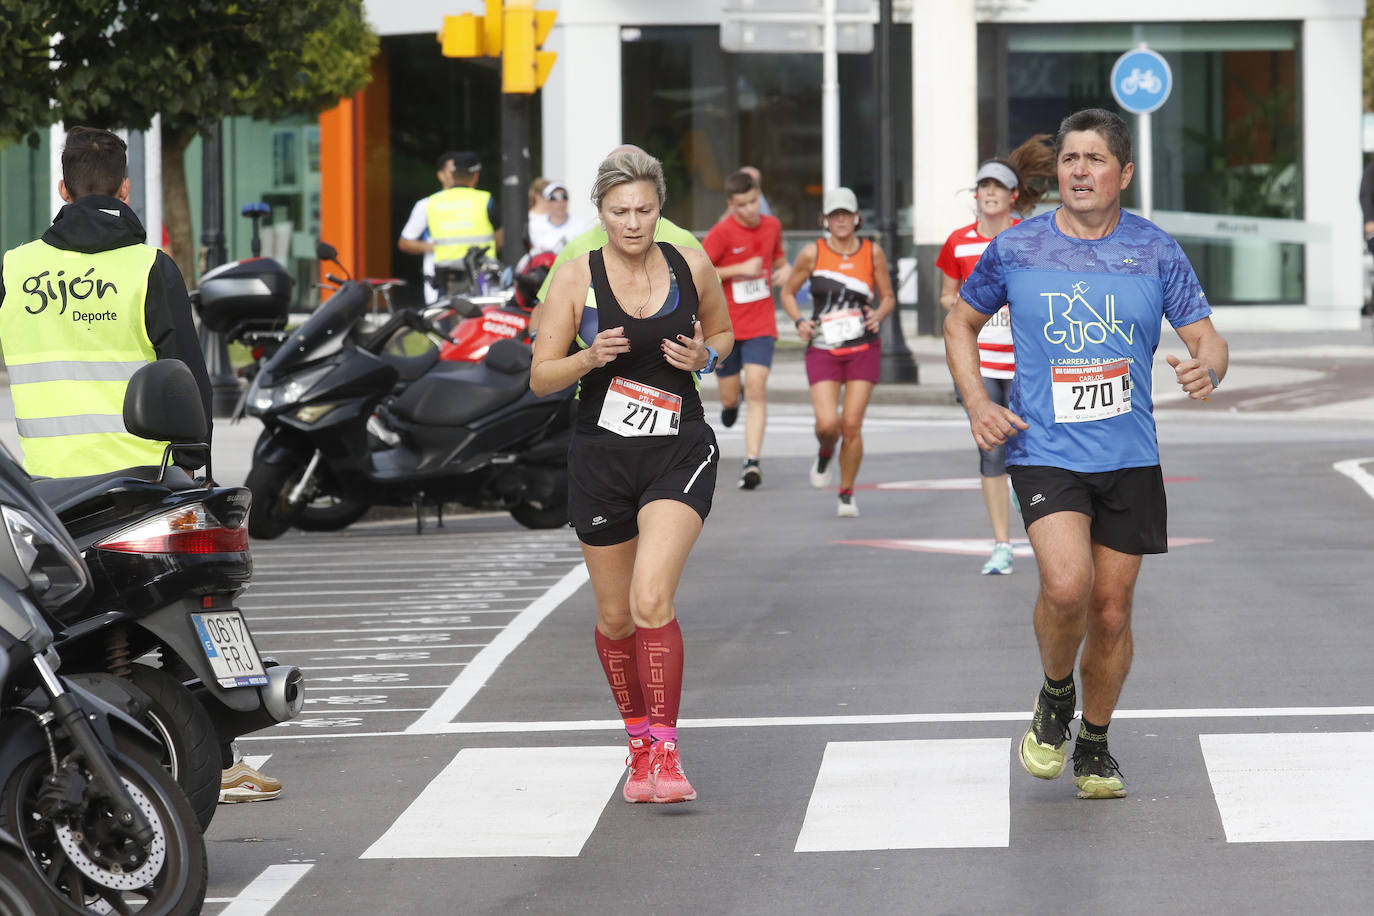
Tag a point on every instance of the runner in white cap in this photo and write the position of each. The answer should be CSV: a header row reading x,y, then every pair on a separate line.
x,y
1004,190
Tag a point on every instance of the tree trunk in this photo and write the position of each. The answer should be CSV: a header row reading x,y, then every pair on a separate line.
x,y
176,202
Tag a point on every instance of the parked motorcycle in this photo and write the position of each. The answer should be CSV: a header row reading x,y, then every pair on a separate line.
x,y
101,824
505,314
466,433
168,556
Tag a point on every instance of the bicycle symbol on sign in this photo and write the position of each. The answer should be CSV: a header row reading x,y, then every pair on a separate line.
x,y
1146,82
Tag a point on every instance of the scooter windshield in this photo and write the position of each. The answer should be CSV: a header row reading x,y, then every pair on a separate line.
x,y
325,330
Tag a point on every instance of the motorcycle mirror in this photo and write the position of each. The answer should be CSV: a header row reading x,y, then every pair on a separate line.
x,y
326,252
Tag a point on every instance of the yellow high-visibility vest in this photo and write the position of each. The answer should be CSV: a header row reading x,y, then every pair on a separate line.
x,y
73,331
458,220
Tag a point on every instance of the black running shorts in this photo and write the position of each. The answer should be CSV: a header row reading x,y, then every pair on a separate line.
x,y
1128,507
608,483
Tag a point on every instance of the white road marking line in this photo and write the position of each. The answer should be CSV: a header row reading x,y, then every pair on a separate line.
x,y
379,615
1304,787
502,801
485,663
418,590
256,761
356,667
595,725
338,709
402,605
450,550
266,890
426,646
936,794
375,688
1355,472
259,634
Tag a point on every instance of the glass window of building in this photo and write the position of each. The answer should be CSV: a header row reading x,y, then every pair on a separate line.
x,y
705,112
1227,142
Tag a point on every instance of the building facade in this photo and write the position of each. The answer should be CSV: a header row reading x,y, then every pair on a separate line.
x,y
1257,154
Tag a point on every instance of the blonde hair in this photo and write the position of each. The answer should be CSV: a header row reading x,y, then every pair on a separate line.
x,y
537,191
627,168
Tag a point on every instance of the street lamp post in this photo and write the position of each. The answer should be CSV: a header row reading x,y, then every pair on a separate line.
x,y
224,383
898,364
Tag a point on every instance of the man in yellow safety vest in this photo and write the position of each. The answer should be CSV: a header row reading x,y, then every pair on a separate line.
x,y
81,309
443,226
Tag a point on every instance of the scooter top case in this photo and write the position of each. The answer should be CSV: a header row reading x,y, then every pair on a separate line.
x,y
249,295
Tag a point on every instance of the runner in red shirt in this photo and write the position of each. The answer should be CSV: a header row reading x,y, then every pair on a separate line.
x,y
746,249
1003,189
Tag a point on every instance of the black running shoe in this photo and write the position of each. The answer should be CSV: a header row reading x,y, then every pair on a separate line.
x,y
751,476
728,415
1096,771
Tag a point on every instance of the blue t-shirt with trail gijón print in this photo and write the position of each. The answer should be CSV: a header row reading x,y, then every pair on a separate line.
x,y
1085,322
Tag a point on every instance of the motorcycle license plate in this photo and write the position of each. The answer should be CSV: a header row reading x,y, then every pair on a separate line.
x,y
229,647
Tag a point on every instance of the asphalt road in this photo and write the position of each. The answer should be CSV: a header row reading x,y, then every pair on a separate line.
x,y
854,691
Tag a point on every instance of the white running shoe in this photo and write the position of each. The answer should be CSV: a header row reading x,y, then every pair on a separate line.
x,y
999,564
848,508
820,473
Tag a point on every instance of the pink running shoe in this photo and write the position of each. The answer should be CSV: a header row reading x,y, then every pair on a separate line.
x,y
669,782
639,786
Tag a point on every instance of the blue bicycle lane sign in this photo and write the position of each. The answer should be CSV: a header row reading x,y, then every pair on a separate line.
x,y
1141,80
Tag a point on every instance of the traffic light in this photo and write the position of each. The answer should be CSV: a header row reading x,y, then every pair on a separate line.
x,y
462,36
492,25
524,68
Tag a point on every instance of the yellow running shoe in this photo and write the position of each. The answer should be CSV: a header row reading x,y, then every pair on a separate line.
x,y
1096,771
1044,748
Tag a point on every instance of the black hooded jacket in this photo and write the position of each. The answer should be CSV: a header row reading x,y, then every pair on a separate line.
x,y
99,223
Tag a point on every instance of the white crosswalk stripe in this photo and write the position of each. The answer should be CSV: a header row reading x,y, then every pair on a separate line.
x,y
505,801
952,793
1276,788
909,795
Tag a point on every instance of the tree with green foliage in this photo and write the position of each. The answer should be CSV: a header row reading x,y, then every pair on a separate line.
x,y
1367,54
195,62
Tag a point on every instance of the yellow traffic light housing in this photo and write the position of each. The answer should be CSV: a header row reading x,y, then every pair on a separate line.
x,y
462,36
493,26
512,30
524,68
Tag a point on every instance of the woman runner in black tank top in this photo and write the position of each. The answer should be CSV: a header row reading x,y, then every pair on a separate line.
x,y
642,465
644,363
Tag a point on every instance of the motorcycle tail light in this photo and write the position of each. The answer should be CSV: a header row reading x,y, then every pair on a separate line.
x,y
189,530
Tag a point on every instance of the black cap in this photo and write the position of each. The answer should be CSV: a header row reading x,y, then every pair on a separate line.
x,y
465,162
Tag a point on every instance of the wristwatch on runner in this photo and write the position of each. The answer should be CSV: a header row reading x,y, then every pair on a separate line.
x,y
1212,374
710,363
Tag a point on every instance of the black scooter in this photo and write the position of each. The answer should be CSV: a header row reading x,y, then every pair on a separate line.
x,y
168,556
344,416
99,822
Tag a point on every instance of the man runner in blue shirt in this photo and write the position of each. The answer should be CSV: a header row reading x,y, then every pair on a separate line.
x,y
1087,286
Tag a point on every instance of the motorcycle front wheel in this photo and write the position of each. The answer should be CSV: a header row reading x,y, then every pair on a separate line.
x,y
87,865
330,513
272,515
21,891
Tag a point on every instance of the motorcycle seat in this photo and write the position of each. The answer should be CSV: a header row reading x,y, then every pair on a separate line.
x,y
64,493
457,396
411,367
